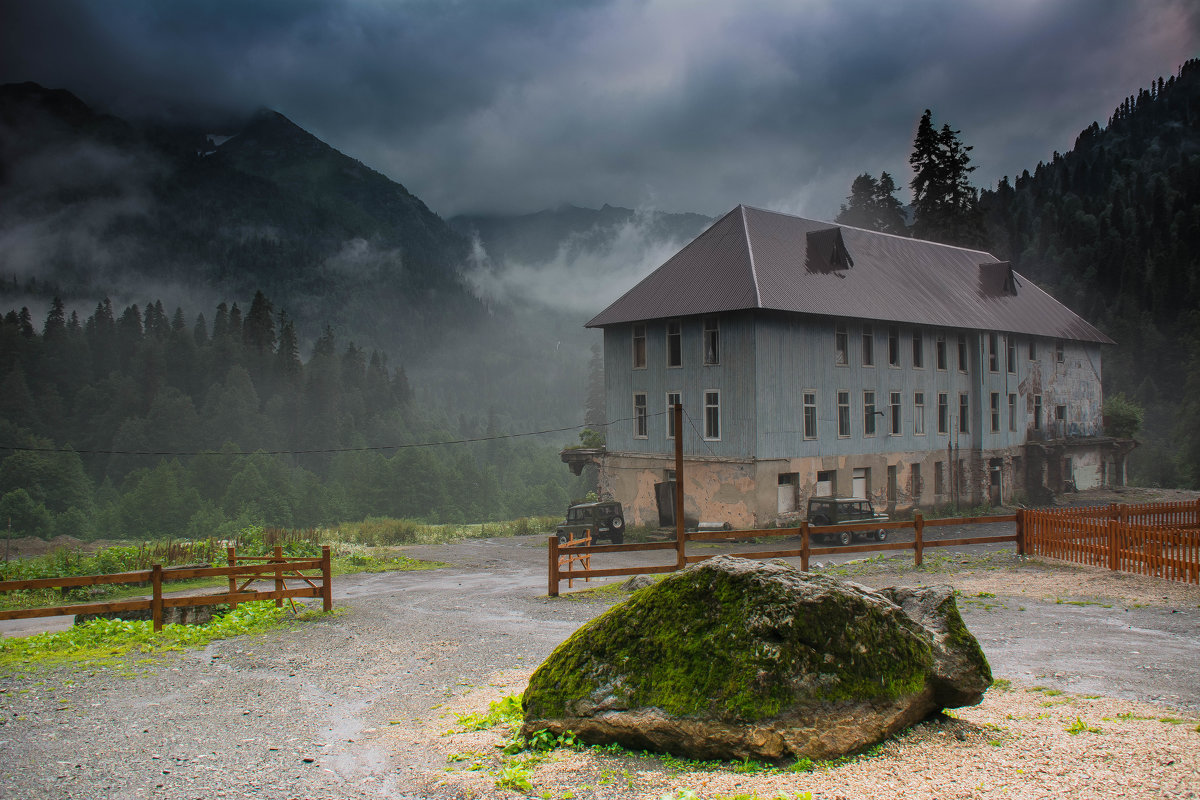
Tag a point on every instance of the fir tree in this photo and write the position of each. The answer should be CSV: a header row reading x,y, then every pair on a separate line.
x,y
945,205
872,205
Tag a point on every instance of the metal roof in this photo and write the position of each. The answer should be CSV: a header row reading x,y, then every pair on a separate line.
x,y
757,259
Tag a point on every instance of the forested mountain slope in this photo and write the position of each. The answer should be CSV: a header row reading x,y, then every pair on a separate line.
x,y
1112,228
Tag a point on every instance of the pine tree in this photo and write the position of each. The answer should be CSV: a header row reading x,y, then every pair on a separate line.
x,y
945,205
258,332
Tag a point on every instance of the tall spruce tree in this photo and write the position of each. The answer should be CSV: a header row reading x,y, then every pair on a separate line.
x,y
945,205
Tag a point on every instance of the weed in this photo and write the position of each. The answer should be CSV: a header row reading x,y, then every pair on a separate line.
x,y
515,776
506,711
1001,684
1079,726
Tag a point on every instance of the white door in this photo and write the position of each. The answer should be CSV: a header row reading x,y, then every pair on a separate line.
x,y
858,482
788,483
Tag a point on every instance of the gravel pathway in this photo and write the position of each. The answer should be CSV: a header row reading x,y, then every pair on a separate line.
x,y
355,705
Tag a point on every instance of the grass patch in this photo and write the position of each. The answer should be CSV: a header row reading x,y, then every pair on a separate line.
x,y
105,642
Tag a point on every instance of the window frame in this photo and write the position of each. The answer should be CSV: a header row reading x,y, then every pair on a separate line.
x,y
940,361
918,413
868,345
641,416
964,362
1037,412
845,431
809,409
711,342
943,413
639,338
894,418
670,415
1012,411
1060,351
918,348
1010,353
841,345
993,352
868,412
894,346
995,408
674,331
712,415
964,412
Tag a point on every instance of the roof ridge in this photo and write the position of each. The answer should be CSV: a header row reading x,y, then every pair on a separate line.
x,y
750,252
868,230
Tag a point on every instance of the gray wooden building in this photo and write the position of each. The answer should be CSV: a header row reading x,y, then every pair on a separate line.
x,y
815,359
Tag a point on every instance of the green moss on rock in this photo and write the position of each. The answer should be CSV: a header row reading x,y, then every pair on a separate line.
x,y
736,641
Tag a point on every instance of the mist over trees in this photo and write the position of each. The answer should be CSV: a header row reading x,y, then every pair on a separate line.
x,y
872,204
143,424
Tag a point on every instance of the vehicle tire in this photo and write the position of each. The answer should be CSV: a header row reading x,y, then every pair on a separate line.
x,y
880,535
844,538
617,523
563,536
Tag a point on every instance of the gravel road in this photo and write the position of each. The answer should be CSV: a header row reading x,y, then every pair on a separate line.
x,y
353,705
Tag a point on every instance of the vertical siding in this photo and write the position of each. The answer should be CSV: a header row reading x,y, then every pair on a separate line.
x,y
733,378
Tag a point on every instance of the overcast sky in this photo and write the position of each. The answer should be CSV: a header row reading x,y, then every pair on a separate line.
x,y
513,106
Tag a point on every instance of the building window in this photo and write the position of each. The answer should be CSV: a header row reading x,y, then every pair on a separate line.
x,y
810,415
995,412
939,477
843,405
917,488
918,349
939,350
673,399
712,414
1037,412
841,345
993,353
1032,349
1010,352
712,341
943,413
919,414
1012,412
674,343
868,413
964,413
894,428
639,346
868,346
1059,350
893,345
640,424
962,352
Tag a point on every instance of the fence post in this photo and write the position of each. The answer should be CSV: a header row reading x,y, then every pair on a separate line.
x,y
804,545
231,552
156,600
1114,558
919,543
278,576
1020,531
552,549
326,579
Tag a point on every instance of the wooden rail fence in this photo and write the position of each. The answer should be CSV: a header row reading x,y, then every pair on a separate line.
x,y
1159,539
315,575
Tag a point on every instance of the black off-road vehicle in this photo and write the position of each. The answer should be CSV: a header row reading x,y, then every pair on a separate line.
x,y
843,511
602,520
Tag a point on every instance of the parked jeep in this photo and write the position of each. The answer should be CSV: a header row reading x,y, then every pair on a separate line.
x,y
603,520
842,511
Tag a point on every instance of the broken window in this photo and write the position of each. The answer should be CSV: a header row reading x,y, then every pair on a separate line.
x,y
674,343
640,422
993,353
868,346
893,345
1037,412
841,345
712,341
940,351
918,349
639,346
962,352
868,413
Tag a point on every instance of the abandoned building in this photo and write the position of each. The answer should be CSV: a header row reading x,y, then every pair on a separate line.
x,y
818,359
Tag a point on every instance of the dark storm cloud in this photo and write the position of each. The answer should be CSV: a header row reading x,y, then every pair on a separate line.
x,y
515,106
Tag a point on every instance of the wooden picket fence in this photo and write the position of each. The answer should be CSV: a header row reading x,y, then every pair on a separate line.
x,y
1158,539
568,560
314,574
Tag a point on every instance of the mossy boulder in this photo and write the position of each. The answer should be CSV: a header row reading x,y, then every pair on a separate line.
x,y
732,658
